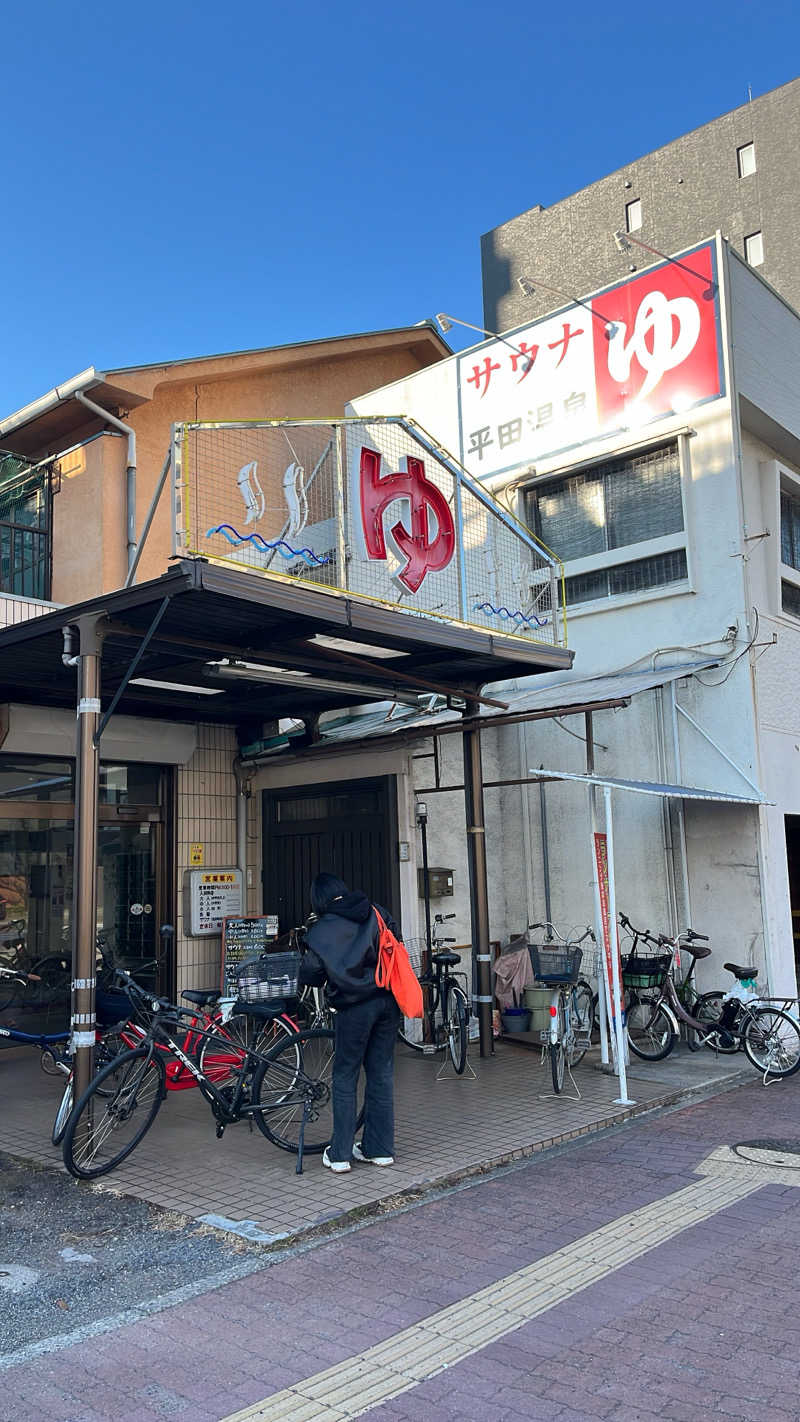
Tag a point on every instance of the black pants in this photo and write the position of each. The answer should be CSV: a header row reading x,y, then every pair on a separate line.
x,y
365,1036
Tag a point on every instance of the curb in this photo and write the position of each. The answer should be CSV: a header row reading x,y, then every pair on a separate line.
x,y
415,1195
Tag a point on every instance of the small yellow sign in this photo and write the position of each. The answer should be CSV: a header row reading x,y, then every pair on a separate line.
x,y
195,854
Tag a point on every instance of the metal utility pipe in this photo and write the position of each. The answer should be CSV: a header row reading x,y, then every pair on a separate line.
x,y
548,912
130,473
139,549
242,798
478,881
84,921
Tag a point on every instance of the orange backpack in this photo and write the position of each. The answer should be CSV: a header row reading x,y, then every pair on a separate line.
x,y
394,972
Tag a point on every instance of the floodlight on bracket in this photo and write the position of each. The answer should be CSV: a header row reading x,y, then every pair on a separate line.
x,y
528,286
624,242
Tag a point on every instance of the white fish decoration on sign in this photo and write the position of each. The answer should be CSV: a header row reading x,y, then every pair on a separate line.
x,y
294,492
251,492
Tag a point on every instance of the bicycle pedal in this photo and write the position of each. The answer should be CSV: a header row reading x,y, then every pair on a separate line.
x,y
220,1130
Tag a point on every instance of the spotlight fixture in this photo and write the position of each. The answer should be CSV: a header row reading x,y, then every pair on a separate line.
x,y
526,286
623,242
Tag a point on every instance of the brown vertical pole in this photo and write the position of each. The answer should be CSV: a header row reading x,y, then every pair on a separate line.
x,y
84,913
478,885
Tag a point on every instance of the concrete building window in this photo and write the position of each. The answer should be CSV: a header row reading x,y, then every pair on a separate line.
x,y
754,249
746,159
790,598
790,530
625,515
24,528
633,215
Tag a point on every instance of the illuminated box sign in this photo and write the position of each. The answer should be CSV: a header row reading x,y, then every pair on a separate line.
x,y
636,352
368,507
210,896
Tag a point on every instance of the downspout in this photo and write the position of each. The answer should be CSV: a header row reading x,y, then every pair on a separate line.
x,y
243,793
130,473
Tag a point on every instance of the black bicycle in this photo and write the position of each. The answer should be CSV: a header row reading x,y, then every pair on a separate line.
x,y
286,1090
445,1024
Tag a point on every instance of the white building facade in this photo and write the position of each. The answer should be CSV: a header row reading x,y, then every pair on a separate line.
x,y
650,436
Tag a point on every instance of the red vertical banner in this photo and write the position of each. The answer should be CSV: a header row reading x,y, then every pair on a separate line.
x,y
601,860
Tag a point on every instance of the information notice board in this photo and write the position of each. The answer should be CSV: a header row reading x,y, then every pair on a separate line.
x,y
243,938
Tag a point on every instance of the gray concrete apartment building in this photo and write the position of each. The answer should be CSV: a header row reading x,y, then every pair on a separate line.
x,y
739,174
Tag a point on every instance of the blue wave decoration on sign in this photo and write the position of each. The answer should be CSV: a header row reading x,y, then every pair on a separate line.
x,y
264,546
508,616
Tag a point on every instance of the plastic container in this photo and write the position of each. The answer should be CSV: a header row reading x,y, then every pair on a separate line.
x,y
515,1019
538,1000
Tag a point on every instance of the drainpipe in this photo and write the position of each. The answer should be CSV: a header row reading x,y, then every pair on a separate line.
x,y
68,656
242,799
130,476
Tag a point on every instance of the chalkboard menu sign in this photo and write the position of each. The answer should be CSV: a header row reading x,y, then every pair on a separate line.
x,y
244,938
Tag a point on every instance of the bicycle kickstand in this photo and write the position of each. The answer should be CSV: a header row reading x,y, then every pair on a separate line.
x,y
298,1170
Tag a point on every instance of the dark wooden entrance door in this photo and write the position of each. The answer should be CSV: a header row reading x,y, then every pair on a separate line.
x,y
349,830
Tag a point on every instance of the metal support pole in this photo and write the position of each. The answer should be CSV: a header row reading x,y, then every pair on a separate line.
x,y
616,987
604,1014
84,920
478,883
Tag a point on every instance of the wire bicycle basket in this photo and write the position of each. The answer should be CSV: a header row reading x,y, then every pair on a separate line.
x,y
555,965
269,977
642,970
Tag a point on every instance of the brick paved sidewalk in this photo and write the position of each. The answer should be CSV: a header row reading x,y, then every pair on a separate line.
x,y
445,1128
704,1325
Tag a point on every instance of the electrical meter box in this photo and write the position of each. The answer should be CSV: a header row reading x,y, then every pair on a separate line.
x,y
440,881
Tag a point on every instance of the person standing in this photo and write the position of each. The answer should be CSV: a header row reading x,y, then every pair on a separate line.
x,y
342,954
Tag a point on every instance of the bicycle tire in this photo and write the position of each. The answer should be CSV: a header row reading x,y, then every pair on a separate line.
x,y
650,1033
708,1008
225,1045
109,1046
456,1027
582,1008
107,1107
280,1091
11,991
54,984
778,1052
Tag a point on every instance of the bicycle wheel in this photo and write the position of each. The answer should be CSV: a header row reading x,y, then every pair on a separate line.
x,y
650,1033
114,1113
11,990
708,1008
54,984
771,1039
106,1048
62,1114
285,1095
582,1014
456,1027
224,1046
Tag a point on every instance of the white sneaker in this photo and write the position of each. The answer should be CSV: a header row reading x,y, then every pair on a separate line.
x,y
358,1154
337,1166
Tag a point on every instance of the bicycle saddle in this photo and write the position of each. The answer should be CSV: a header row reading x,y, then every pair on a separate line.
x,y
696,950
200,997
446,959
740,973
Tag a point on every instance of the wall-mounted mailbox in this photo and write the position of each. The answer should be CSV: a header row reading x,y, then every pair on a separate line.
x,y
440,881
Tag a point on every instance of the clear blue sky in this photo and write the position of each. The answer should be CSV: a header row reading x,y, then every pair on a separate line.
x,y
184,178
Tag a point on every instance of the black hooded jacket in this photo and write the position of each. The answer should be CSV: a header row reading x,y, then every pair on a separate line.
x,y
343,950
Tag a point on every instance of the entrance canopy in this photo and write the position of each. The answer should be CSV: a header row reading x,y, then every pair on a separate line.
x,y
651,787
218,645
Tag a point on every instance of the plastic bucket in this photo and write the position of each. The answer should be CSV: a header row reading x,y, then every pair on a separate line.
x,y
538,1000
516,1019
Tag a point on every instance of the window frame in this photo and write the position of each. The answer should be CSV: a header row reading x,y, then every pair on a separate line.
x,y
42,535
788,484
750,237
742,148
633,206
629,552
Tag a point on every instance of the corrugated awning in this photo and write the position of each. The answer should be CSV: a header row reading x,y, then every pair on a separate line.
x,y
650,787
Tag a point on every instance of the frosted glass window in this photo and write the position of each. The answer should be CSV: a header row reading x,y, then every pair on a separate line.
x,y
633,215
754,249
746,159
614,505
